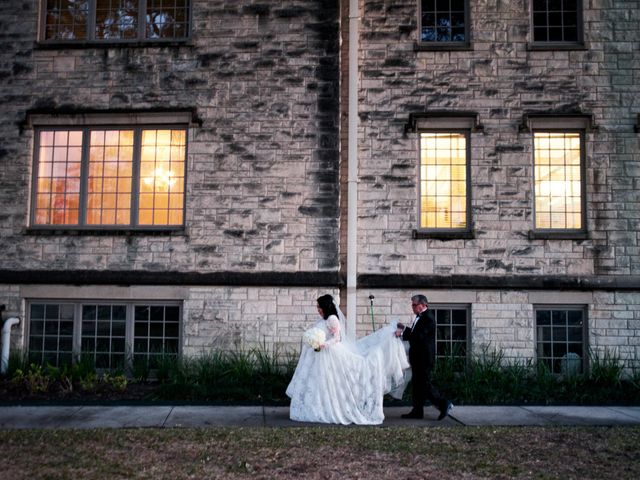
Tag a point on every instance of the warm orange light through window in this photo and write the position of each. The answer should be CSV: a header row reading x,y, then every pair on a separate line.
x,y
110,173
58,184
92,177
558,182
162,177
443,180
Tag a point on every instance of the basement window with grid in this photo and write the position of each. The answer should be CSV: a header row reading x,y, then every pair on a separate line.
x,y
561,338
111,336
452,334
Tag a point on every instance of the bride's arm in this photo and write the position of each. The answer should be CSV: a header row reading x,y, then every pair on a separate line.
x,y
333,325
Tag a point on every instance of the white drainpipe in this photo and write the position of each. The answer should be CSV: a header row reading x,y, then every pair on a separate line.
x,y
6,337
352,180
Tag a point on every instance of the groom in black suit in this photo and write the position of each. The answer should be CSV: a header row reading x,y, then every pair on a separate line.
x,y
422,357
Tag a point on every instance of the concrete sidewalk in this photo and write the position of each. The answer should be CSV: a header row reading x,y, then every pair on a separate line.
x,y
86,416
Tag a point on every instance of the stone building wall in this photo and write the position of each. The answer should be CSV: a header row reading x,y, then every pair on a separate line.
x,y
500,79
262,184
262,168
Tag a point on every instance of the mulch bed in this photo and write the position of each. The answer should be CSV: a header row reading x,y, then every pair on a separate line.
x,y
10,393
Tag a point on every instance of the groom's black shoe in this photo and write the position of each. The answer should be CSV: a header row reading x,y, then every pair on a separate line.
x,y
413,414
445,411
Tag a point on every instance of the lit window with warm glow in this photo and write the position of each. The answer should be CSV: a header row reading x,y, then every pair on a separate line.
x,y
443,181
131,177
558,180
57,200
162,177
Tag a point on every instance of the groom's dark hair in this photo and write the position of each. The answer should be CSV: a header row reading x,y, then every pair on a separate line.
x,y
325,302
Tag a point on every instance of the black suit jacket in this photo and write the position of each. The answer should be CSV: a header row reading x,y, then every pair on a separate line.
x,y
422,341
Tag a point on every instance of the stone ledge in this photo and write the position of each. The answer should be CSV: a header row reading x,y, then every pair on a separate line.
x,y
132,277
501,282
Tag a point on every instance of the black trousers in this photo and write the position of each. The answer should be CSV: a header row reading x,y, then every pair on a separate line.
x,y
423,389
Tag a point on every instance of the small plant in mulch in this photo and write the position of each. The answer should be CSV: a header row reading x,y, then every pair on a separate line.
x,y
35,381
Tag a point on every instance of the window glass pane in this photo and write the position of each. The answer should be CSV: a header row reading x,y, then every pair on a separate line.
x,y
162,177
156,331
110,175
104,334
560,345
58,179
66,19
116,19
558,193
555,21
167,18
108,183
443,21
443,180
50,333
451,334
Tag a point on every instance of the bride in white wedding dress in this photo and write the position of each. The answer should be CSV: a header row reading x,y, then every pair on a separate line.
x,y
345,381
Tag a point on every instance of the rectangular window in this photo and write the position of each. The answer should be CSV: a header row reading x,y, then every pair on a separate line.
x,y
452,334
115,20
104,334
155,332
444,22
561,338
557,22
107,334
109,177
444,181
558,179
51,333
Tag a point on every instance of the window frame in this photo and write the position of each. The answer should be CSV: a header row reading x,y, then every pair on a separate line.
x,y
130,306
422,45
86,124
562,233
469,337
585,332
556,45
447,233
140,38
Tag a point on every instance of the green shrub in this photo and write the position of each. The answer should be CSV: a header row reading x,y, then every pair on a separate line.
x,y
489,380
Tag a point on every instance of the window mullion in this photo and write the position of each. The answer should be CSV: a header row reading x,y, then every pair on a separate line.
x,y
84,176
128,343
142,19
77,332
135,182
91,20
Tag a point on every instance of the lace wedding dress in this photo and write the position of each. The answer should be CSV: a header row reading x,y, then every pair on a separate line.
x,y
345,382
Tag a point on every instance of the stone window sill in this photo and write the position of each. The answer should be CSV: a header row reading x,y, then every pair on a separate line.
x,y
126,232
562,235
444,235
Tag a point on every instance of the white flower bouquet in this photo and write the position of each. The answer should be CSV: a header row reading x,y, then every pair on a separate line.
x,y
314,337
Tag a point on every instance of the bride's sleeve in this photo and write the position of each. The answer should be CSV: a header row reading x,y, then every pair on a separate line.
x,y
333,325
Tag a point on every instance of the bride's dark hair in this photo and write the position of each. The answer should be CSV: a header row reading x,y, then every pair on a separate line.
x,y
325,302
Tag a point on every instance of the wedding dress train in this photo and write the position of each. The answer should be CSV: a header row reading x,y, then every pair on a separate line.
x,y
346,382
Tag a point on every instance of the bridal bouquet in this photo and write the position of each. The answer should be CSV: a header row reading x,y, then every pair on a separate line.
x,y
314,337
